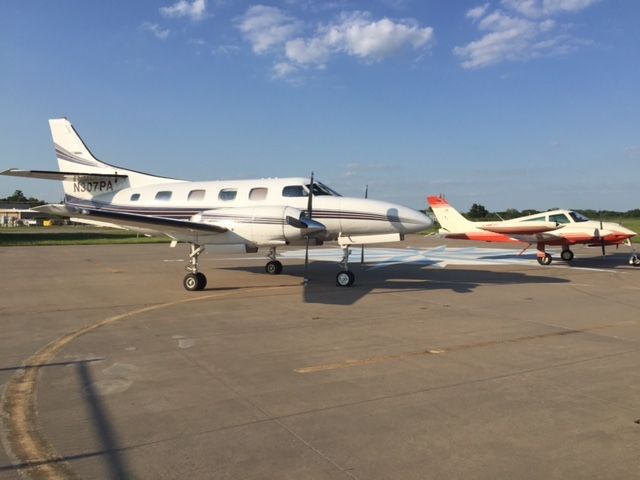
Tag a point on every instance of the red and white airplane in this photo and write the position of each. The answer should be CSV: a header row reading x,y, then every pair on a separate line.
x,y
556,227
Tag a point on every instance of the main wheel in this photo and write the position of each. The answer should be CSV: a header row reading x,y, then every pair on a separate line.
x,y
567,255
345,278
546,260
634,260
274,267
202,279
192,282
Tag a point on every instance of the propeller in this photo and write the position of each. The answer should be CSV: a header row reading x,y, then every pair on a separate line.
x,y
601,237
309,216
366,194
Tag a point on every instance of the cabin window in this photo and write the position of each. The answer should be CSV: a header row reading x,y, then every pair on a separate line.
x,y
227,194
163,196
196,195
258,194
135,197
535,219
578,217
559,218
294,191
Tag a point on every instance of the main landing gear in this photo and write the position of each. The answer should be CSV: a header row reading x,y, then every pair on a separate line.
x,y
194,280
634,260
544,258
566,255
273,267
345,278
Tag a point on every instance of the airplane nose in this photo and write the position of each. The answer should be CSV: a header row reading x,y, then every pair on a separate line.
x,y
414,221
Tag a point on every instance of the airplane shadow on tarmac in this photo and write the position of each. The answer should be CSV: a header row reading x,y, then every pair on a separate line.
x,y
402,277
111,452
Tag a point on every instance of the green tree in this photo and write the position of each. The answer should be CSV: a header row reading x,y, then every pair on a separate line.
x,y
19,196
478,211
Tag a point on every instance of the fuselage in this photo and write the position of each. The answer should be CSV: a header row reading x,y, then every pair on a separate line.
x,y
255,201
570,228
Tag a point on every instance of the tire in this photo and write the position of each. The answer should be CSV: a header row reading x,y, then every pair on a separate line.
x,y
566,255
203,280
546,260
192,282
345,278
634,260
274,267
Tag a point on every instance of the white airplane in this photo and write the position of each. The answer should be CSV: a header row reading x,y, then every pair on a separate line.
x,y
262,213
555,227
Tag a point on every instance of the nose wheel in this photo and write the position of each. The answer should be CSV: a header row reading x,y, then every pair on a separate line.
x,y
345,278
274,267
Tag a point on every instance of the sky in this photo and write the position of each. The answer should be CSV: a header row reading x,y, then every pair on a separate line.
x,y
506,103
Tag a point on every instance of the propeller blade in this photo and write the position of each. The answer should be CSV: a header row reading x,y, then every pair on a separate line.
x,y
602,245
366,195
310,201
306,262
309,215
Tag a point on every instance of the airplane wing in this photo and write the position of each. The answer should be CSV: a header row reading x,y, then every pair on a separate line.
x,y
167,226
521,228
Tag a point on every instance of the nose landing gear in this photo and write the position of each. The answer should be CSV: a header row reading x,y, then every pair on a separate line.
x,y
345,278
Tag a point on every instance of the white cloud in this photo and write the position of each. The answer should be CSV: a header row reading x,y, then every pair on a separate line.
x,y
283,70
526,31
225,50
478,11
356,34
155,29
539,8
267,27
196,10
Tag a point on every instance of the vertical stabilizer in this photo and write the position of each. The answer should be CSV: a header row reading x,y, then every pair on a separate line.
x,y
71,152
448,217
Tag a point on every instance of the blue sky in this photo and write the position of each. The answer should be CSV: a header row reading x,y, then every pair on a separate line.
x,y
507,103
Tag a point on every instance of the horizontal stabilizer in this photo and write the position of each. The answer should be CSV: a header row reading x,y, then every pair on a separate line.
x,y
51,175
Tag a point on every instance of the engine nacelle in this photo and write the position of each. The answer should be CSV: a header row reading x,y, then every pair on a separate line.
x,y
258,225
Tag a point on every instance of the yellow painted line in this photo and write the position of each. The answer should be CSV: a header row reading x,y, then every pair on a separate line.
x,y
23,439
437,351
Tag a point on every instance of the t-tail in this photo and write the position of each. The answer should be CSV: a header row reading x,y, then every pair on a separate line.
x,y
83,175
448,217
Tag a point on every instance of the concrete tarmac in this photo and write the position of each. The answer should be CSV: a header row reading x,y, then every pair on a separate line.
x,y
109,369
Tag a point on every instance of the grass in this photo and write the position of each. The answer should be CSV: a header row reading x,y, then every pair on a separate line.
x,y
71,235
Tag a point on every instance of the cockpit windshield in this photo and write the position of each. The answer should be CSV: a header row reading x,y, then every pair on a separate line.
x,y
578,217
322,189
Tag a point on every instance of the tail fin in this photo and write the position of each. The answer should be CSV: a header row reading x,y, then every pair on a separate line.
x,y
91,177
71,152
448,217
